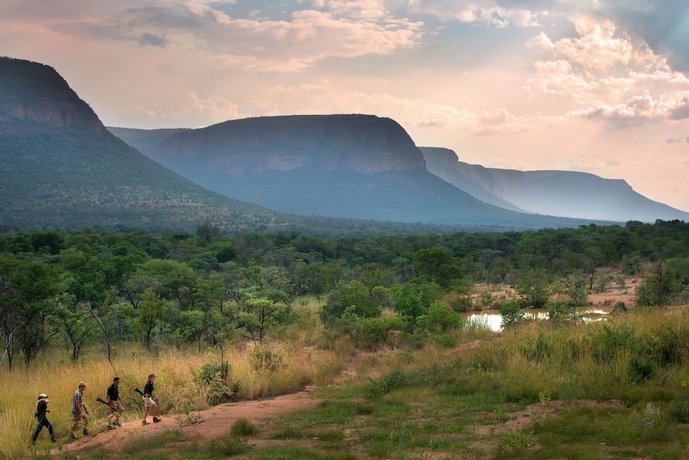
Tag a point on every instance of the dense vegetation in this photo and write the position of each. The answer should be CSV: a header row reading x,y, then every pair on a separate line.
x,y
78,288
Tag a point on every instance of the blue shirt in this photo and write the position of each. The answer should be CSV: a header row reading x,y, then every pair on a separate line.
x,y
77,398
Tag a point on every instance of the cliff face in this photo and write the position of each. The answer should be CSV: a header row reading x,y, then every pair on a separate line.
x,y
557,193
35,94
361,143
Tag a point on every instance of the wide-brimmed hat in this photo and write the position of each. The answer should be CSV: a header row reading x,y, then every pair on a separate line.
x,y
43,396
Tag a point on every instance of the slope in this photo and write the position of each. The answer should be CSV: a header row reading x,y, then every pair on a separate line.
x,y
558,193
354,166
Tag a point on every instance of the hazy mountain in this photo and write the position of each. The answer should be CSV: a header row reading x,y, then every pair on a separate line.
x,y
558,193
60,168
355,166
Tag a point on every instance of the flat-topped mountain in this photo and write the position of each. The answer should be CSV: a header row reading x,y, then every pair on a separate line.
x,y
558,193
361,143
354,166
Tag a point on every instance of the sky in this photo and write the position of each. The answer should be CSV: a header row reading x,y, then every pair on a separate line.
x,y
600,86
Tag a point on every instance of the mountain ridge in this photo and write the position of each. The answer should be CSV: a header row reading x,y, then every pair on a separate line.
x,y
347,165
553,192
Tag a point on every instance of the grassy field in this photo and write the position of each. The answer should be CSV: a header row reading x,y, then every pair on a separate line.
x,y
614,389
180,387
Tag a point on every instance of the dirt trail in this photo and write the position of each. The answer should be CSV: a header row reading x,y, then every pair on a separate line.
x,y
207,424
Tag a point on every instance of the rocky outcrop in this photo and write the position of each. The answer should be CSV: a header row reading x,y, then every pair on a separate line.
x,y
361,143
35,94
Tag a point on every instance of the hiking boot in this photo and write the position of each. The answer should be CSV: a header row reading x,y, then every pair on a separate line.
x,y
111,426
156,420
117,423
53,439
71,436
144,423
86,432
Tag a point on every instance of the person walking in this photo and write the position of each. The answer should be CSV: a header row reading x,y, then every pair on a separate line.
x,y
42,418
115,404
80,411
149,403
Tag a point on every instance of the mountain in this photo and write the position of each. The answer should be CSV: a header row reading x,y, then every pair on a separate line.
x,y
557,193
354,166
61,168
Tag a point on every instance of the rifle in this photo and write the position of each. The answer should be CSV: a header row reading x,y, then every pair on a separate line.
x,y
100,400
139,391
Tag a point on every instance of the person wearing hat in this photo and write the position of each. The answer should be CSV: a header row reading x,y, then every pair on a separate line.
x,y
42,418
79,410
149,402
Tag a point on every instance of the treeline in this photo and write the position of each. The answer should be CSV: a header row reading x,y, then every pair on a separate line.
x,y
208,288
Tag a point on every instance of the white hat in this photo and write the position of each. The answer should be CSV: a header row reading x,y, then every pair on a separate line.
x,y
42,396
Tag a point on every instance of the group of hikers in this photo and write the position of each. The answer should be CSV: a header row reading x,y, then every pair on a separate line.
x,y
81,414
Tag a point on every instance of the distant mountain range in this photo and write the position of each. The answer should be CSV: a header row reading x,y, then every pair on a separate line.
x,y
355,166
61,168
557,193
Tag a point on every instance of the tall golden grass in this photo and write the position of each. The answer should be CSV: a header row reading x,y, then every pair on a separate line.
x,y
177,389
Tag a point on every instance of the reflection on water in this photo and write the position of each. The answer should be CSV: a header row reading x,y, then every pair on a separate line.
x,y
493,321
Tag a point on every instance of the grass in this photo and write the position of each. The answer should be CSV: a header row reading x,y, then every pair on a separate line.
x,y
617,389
177,389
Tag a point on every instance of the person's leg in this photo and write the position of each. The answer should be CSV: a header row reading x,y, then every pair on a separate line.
x,y
77,422
36,432
145,410
85,422
50,429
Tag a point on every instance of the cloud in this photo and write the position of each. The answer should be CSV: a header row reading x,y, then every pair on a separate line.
x,y
153,40
678,140
323,29
478,11
616,79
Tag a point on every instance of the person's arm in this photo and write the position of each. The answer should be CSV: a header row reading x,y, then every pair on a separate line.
x,y
79,406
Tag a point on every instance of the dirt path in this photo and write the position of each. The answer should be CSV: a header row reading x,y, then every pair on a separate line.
x,y
206,424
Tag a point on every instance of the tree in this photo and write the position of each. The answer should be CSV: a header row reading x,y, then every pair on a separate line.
x,y
353,295
76,324
171,280
439,265
261,315
533,286
150,314
26,289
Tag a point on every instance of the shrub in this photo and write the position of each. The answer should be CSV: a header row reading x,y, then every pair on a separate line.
x,y
679,409
440,318
373,332
242,428
211,371
264,359
560,312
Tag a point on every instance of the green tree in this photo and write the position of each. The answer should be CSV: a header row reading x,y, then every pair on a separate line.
x,y
150,314
76,324
259,317
533,286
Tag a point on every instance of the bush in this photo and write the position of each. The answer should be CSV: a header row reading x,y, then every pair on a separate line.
x,y
242,428
373,332
266,360
440,318
211,371
679,409
560,312
512,314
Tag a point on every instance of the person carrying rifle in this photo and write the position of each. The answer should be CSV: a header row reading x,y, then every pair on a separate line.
x,y
149,402
42,418
80,411
115,404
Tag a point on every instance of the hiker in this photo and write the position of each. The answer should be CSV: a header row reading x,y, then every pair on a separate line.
x,y
115,404
80,411
149,402
42,418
